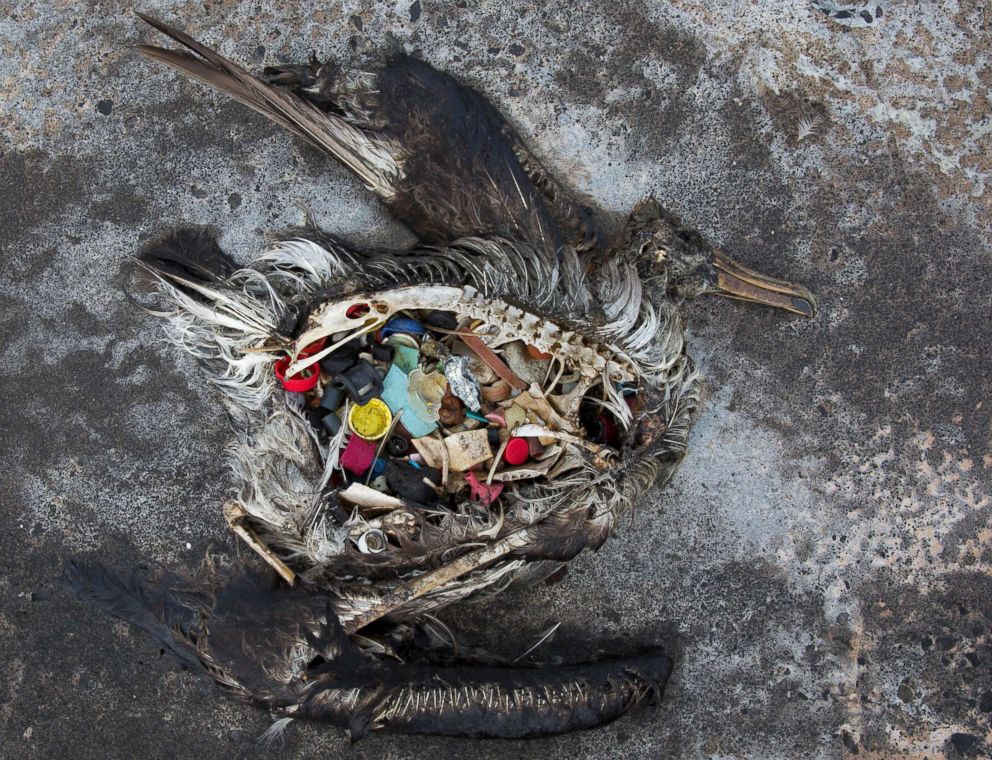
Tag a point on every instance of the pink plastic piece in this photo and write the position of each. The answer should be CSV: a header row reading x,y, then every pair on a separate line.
x,y
358,455
480,491
498,417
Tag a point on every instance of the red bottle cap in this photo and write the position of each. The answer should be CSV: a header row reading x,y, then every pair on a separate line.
x,y
517,451
313,348
300,383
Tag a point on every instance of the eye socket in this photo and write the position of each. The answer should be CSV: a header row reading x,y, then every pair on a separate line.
x,y
357,310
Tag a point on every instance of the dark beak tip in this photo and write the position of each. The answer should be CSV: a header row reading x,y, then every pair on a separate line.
x,y
805,306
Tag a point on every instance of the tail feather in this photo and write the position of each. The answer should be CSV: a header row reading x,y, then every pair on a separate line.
x,y
371,158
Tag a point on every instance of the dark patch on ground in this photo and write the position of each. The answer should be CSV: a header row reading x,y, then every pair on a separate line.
x,y
37,189
940,643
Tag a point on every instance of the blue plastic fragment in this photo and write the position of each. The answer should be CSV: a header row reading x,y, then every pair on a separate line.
x,y
395,392
403,325
378,467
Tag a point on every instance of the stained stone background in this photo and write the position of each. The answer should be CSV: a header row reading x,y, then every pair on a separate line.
x,y
820,564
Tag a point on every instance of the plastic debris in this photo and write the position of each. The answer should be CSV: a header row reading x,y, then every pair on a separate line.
x,y
395,392
431,449
332,398
498,391
372,541
331,423
496,364
380,396
405,357
382,352
463,385
521,363
452,411
370,421
480,491
426,392
343,358
403,325
408,481
299,383
361,382
358,455
515,416
397,446
517,451
467,449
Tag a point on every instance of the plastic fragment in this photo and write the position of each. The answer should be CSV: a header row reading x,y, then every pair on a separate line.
x,y
382,352
408,481
467,449
397,446
331,423
480,491
497,365
431,449
333,397
405,357
426,392
362,382
358,455
342,358
451,411
372,541
299,383
403,325
395,392
521,363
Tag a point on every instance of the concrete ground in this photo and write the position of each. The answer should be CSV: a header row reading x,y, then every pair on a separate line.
x,y
821,564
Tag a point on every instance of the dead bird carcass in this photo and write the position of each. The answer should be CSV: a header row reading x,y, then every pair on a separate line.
x,y
420,427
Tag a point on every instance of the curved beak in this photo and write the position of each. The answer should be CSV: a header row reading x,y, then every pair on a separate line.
x,y
736,281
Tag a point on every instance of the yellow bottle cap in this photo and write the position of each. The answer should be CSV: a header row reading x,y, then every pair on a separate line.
x,y
370,421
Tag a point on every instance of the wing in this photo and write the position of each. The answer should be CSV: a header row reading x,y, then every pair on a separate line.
x,y
437,152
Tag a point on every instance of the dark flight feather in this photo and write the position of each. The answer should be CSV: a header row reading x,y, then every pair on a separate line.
x,y
442,157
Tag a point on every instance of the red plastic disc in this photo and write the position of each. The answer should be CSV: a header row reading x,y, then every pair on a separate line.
x,y
517,451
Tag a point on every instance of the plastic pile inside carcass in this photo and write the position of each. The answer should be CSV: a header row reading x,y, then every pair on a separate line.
x,y
424,412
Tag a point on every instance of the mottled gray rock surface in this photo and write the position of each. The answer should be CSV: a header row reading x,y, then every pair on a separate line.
x,y
821,563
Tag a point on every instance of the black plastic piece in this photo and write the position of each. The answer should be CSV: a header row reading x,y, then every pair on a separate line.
x,y
362,382
331,423
343,358
446,320
333,397
406,480
493,435
397,446
383,353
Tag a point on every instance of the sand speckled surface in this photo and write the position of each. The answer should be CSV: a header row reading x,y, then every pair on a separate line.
x,y
820,565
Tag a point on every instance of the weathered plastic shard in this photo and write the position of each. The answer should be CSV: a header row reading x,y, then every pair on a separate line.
x,y
465,450
461,381
426,390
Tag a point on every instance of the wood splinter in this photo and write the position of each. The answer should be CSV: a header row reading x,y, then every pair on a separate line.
x,y
236,518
